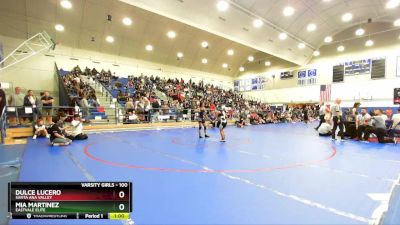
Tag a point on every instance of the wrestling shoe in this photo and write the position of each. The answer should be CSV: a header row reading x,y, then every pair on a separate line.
x,y
200,136
34,137
206,136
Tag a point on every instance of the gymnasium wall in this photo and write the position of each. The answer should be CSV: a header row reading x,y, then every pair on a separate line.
x,y
352,89
37,72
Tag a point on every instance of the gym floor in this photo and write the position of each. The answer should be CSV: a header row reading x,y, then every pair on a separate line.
x,y
277,173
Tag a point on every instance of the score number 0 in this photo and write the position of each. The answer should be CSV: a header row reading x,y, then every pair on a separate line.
x,y
121,206
121,195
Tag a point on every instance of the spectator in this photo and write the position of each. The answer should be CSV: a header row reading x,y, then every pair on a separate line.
x,y
40,129
165,108
155,105
396,118
129,106
85,108
77,129
56,135
130,117
17,101
47,110
363,122
379,128
31,102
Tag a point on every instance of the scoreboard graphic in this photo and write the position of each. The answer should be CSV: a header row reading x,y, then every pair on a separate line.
x,y
70,200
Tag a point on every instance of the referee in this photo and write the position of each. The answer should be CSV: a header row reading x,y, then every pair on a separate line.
x,y
336,111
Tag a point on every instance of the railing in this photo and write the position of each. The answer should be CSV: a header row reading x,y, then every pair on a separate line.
x,y
3,124
26,116
104,91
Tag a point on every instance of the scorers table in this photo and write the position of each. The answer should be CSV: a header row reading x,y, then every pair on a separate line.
x,y
70,200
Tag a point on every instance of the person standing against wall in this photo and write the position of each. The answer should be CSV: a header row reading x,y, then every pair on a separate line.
x,y
16,100
30,101
47,110
336,111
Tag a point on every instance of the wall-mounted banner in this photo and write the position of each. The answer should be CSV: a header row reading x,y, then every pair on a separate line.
x,y
307,77
251,84
357,67
286,75
311,76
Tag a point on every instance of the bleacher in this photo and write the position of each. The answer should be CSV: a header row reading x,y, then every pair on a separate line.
x,y
123,88
96,113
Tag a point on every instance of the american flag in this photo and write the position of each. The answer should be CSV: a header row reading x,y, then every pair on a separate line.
x,y
325,93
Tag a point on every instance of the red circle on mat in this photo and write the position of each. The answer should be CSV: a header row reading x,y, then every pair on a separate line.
x,y
267,169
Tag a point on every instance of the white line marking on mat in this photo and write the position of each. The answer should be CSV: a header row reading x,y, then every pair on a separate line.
x,y
289,196
300,199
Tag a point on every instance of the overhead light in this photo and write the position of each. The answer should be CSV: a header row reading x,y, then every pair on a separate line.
x,y
347,17
204,61
204,44
311,27
110,39
301,45
250,58
396,23
288,11
316,53
149,48
179,54
360,31
267,63
391,4
327,0
222,5
340,48
230,52
369,43
59,27
224,65
282,36
328,39
66,4
241,69
127,21
171,34
257,23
